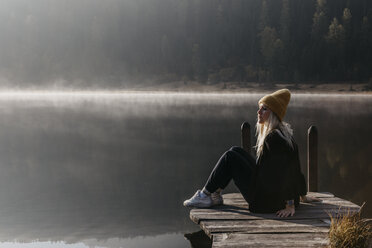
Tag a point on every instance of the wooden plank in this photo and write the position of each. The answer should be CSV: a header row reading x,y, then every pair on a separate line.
x,y
324,204
320,194
244,211
337,201
306,211
264,226
327,202
201,214
270,240
334,199
313,194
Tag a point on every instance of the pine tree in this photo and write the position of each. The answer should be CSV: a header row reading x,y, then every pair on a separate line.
x,y
264,16
284,23
364,49
283,59
336,33
346,21
348,50
271,48
319,27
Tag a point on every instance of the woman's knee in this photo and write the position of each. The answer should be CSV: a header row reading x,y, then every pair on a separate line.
x,y
241,152
235,148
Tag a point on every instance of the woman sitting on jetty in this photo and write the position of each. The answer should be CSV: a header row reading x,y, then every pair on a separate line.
x,y
274,182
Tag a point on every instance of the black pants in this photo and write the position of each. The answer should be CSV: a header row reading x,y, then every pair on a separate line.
x,y
234,164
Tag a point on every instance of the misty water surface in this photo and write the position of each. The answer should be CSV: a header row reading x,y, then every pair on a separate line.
x,y
112,170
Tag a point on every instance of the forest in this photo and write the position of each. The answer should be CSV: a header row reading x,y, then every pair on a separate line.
x,y
119,43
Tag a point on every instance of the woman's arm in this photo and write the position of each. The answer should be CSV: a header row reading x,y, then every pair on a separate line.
x,y
290,208
277,170
282,162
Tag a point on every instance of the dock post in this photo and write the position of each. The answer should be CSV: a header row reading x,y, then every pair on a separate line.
x,y
246,136
312,159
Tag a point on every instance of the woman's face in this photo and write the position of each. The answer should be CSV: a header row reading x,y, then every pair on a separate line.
x,y
263,113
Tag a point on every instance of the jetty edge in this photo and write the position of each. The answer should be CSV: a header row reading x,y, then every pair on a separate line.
x,y
233,225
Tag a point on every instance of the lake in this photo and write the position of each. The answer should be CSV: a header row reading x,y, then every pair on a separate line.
x,y
103,169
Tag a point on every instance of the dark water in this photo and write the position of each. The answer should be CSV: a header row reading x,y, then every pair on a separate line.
x,y
112,170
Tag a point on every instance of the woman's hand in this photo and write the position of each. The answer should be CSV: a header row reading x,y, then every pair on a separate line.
x,y
306,198
288,211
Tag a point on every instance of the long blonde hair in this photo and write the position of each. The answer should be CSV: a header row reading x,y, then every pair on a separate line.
x,y
262,130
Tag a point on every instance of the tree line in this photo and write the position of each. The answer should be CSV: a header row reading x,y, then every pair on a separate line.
x,y
122,42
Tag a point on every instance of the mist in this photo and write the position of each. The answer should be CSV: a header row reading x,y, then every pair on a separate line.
x,y
62,43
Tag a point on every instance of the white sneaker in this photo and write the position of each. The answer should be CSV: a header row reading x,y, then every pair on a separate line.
x,y
217,198
199,200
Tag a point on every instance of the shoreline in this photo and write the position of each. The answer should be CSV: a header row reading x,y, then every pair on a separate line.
x,y
237,87
190,87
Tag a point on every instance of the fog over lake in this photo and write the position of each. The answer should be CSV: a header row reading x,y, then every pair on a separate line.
x,y
112,169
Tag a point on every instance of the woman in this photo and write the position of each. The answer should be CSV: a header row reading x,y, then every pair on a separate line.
x,y
273,183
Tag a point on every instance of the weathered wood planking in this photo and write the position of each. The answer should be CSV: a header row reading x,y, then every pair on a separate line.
x,y
236,208
325,204
232,225
264,226
314,194
297,240
244,214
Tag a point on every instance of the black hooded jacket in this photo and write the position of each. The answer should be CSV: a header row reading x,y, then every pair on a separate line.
x,y
278,176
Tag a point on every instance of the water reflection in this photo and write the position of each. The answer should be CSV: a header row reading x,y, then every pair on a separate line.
x,y
94,168
158,241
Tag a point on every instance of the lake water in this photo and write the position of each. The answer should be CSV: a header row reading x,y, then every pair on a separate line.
x,y
112,170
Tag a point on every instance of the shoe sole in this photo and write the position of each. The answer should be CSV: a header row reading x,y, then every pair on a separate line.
x,y
198,206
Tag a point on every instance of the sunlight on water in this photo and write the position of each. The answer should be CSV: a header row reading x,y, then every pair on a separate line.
x,y
44,245
158,241
156,94
108,93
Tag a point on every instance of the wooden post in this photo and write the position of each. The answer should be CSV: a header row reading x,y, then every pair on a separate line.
x,y
246,136
312,159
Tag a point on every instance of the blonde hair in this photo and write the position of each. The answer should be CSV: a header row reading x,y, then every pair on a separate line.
x,y
262,130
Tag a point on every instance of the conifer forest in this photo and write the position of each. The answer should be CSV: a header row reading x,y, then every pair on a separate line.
x,y
122,41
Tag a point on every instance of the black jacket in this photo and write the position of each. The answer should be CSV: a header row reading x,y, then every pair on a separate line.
x,y
278,175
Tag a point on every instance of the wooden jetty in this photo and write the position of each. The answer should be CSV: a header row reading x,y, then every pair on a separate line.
x,y
233,225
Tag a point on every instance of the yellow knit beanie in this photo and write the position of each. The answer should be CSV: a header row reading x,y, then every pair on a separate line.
x,y
277,102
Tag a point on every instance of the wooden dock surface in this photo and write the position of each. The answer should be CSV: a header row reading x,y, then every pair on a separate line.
x,y
232,225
